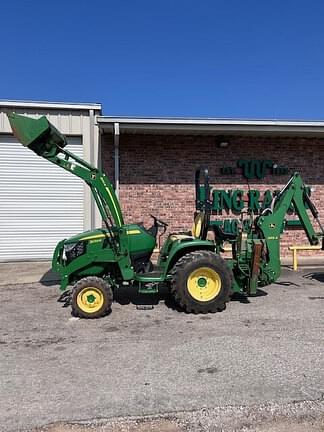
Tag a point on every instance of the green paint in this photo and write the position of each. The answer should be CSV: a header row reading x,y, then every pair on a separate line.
x,y
233,201
202,282
39,135
254,168
227,170
226,199
237,200
254,198
216,205
267,198
279,170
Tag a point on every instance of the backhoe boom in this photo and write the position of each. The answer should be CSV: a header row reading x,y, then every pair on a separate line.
x,y
269,224
295,193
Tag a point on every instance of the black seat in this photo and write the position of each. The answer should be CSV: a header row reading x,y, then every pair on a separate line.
x,y
222,235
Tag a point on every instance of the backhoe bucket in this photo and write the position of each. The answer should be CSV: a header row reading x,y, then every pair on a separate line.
x,y
37,134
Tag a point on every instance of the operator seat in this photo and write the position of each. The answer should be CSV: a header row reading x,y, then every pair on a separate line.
x,y
198,229
198,225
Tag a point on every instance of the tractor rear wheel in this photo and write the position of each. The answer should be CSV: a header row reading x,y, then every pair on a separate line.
x,y
201,282
91,298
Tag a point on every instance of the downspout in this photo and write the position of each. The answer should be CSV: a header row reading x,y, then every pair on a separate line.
x,y
116,155
92,162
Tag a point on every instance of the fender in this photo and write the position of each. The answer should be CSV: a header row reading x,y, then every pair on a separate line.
x,y
182,247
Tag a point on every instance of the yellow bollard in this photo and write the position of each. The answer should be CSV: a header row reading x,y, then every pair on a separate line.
x,y
295,249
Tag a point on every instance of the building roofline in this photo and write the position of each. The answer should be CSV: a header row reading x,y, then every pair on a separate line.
x,y
207,121
50,105
211,126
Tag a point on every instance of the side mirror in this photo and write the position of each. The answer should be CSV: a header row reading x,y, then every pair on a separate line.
x,y
37,134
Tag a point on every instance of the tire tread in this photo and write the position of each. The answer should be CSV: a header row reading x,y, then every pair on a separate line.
x,y
179,293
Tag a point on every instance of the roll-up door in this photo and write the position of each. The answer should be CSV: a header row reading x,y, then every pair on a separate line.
x,y
40,203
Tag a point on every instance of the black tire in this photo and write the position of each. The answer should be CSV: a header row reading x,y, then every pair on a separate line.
x,y
91,297
185,282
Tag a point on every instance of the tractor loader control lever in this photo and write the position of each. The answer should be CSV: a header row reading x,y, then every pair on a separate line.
x,y
159,222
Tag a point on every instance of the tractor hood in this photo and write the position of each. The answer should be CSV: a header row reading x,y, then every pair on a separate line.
x,y
90,235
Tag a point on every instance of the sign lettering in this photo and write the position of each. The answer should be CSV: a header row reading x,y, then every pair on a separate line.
x,y
255,169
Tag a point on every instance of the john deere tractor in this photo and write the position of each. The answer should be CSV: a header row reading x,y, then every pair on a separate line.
x,y
96,263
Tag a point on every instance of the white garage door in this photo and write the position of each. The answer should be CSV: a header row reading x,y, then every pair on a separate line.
x,y
40,203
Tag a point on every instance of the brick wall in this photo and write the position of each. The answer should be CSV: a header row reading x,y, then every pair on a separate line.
x,y
157,173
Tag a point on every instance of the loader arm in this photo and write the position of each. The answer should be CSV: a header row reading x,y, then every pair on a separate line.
x,y
40,136
101,188
270,223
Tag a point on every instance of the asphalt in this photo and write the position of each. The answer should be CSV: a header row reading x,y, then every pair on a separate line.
x,y
147,362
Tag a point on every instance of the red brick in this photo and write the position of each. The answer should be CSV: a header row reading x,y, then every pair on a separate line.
x,y
157,173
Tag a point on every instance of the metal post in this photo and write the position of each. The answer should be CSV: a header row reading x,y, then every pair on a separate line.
x,y
116,151
92,162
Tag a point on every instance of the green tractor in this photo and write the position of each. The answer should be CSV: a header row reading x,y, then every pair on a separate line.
x,y
98,262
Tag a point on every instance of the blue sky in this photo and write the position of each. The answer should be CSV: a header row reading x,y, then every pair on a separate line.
x,y
221,58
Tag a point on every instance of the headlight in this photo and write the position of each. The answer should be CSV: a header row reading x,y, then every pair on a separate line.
x,y
73,250
69,246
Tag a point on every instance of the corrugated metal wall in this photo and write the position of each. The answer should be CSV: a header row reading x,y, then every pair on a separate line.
x,y
36,194
69,123
39,203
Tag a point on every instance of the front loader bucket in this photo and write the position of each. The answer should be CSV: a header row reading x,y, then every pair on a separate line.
x,y
37,134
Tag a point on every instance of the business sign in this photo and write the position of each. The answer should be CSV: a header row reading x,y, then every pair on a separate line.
x,y
235,201
255,169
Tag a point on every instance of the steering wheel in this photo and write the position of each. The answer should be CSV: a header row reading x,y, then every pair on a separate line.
x,y
159,221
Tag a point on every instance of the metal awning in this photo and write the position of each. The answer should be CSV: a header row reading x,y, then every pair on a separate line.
x,y
210,126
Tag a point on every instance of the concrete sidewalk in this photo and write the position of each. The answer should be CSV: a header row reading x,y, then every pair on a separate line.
x,y
20,272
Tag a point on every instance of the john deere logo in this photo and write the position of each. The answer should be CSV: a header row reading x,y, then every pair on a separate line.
x,y
255,169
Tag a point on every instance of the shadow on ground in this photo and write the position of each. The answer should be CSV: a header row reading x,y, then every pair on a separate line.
x,y
315,275
50,278
129,294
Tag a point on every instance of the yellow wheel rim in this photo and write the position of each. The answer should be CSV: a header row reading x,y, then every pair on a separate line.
x,y
204,284
90,300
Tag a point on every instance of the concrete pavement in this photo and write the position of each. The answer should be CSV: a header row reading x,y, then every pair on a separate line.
x,y
24,272
54,367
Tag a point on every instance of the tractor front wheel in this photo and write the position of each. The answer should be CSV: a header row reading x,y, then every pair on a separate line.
x,y
201,282
91,298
